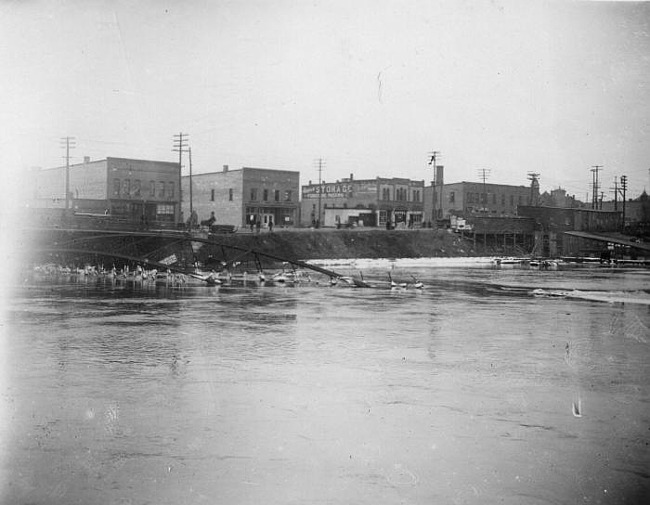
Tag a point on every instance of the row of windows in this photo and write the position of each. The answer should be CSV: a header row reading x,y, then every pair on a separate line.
x,y
127,188
401,195
484,197
288,194
254,195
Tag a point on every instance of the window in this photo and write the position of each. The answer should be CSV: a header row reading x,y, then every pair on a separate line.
x,y
152,188
277,195
503,200
265,195
170,190
116,187
230,194
512,200
385,194
287,195
212,195
126,187
161,189
253,193
165,212
452,197
494,198
164,209
136,187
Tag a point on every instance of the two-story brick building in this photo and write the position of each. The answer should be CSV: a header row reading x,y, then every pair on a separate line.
x,y
367,202
244,196
467,199
135,191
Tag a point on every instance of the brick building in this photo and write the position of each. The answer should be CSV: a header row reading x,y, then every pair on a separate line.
x,y
134,191
244,196
367,202
552,222
467,199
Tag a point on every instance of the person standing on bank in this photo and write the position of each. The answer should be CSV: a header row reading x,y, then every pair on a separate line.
x,y
270,224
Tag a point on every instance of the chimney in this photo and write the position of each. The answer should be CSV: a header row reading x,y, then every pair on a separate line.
x,y
225,168
86,159
351,177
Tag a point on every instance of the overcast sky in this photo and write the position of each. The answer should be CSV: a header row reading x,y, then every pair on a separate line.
x,y
371,87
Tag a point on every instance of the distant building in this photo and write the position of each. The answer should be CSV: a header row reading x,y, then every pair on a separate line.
x,y
473,199
552,222
364,202
559,198
637,211
134,191
244,196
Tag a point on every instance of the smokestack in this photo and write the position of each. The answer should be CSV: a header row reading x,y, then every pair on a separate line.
x,y
225,168
351,177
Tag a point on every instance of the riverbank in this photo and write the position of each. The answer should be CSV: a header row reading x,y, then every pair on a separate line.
x,y
306,244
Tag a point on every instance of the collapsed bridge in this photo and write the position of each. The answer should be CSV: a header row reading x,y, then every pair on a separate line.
x,y
181,252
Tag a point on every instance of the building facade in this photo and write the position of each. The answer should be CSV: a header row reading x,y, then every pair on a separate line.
x,y
244,197
552,222
467,199
368,202
135,191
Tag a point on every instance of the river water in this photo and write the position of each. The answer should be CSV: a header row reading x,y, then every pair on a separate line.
x,y
504,386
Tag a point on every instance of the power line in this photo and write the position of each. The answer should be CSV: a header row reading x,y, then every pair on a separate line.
x,y
534,183
433,156
623,189
320,190
180,146
594,195
67,143
484,173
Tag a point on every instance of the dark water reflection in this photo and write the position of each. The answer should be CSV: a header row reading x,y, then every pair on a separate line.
x,y
465,392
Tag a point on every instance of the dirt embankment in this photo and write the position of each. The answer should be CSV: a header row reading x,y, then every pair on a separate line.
x,y
333,244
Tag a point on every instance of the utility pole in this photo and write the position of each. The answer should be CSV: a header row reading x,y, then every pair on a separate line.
x,y
623,190
594,195
615,194
320,191
180,146
433,156
189,153
484,173
67,143
534,183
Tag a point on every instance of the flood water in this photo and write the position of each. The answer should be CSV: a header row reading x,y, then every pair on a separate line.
x,y
488,386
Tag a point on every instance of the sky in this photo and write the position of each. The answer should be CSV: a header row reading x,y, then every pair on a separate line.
x,y
370,87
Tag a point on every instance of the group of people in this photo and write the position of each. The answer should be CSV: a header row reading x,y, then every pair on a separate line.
x,y
257,224
254,222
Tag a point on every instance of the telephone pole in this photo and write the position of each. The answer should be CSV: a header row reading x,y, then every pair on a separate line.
x,y
320,191
433,156
594,195
534,183
180,146
67,143
189,154
615,190
623,189
484,173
